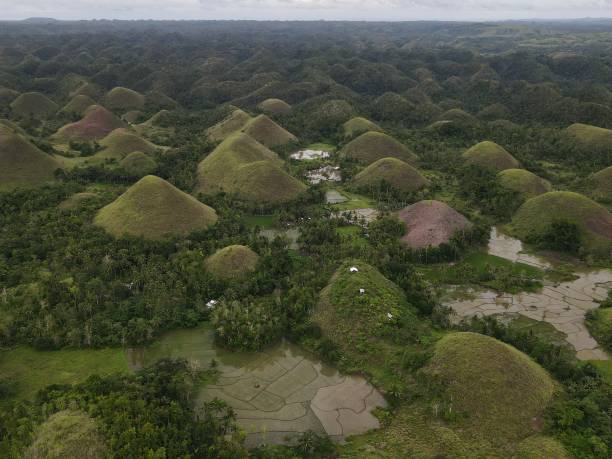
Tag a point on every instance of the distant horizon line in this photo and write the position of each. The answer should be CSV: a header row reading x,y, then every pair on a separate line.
x,y
110,19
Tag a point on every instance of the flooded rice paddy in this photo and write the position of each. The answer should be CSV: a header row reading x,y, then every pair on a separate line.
x,y
275,393
563,305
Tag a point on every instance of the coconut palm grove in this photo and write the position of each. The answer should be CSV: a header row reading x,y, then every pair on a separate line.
x,y
306,240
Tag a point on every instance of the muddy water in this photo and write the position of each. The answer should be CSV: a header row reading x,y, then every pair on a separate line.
x,y
275,393
562,305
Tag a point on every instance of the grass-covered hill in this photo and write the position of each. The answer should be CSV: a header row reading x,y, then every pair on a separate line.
x,y
526,183
97,123
359,323
22,164
8,95
603,184
540,447
242,166
393,171
267,132
491,156
138,164
458,116
78,105
232,262
357,126
431,223
494,390
123,99
68,434
33,105
86,89
594,221
229,125
587,136
372,146
121,142
275,107
153,208
74,201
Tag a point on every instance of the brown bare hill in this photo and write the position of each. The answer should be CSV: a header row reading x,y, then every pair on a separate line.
x,y
372,146
431,223
97,123
22,164
153,208
491,156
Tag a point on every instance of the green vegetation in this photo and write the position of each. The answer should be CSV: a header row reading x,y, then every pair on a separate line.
x,y
248,325
603,184
29,370
512,389
372,146
535,217
22,164
357,126
392,171
489,271
228,126
67,434
76,200
153,208
138,164
526,183
33,105
599,323
232,262
489,155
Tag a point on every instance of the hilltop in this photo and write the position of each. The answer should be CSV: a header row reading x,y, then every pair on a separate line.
x,y
97,123
153,208
22,164
359,125
393,171
120,98
593,220
372,146
587,136
138,164
603,184
33,105
431,223
275,107
497,390
490,155
526,183
242,166
232,262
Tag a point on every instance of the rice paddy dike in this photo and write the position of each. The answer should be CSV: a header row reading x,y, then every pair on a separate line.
x,y
564,305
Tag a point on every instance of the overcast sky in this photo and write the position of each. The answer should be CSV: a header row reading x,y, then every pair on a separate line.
x,y
394,10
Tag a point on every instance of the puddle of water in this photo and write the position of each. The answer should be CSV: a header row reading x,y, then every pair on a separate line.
x,y
277,392
512,249
563,305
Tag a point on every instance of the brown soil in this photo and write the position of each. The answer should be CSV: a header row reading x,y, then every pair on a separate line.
x,y
431,223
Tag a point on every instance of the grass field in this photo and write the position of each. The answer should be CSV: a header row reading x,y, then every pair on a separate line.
x,y
473,268
355,201
33,370
322,146
263,221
